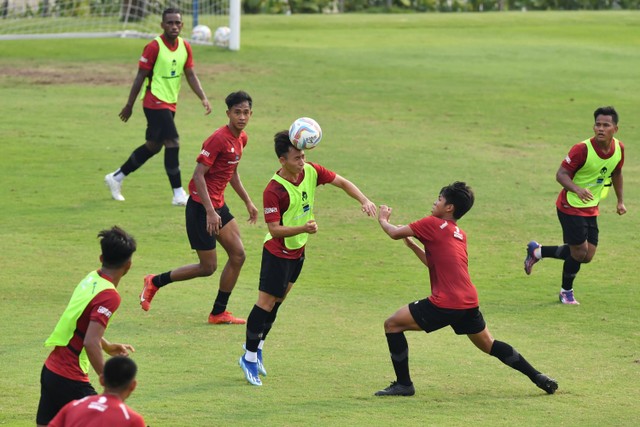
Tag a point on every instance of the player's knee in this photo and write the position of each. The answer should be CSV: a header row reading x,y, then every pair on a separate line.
x,y
238,258
390,326
208,269
172,143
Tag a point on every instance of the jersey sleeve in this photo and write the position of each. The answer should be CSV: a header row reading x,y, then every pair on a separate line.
x,y
209,152
423,229
325,176
149,55
189,63
576,158
271,202
103,306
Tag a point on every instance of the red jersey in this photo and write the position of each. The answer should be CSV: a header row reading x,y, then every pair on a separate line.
x,y
222,152
446,248
275,199
573,162
64,360
148,61
103,410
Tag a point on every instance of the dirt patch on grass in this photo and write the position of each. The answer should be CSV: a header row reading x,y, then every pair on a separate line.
x,y
90,74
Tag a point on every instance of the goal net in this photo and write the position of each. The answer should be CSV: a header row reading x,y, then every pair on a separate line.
x,y
32,19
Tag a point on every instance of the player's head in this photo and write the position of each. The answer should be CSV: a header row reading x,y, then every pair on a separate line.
x,y
237,98
170,11
460,195
282,144
171,23
606,111
119,375
117,247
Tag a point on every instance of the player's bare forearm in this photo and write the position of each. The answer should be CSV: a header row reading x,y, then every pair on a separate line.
x,y
617,181
196,87
411,244
354,192
281,231
564,178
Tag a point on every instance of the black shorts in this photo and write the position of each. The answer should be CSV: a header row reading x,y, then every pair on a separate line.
x,y
276,273
577,229
57,391
196,222
431,318
160,125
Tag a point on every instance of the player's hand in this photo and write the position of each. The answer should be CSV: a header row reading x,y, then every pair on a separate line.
x,y
584,194
115,349
311,227
620,209
207,106
369,208
214,223
126,113
384,213
253,213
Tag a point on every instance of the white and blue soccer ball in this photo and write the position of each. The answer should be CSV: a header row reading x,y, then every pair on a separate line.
x,y
221,36
305,133
201,33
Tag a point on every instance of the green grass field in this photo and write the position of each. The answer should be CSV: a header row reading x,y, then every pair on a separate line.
x,y
408,103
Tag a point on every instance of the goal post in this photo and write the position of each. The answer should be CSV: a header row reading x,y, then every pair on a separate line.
x,y
47,19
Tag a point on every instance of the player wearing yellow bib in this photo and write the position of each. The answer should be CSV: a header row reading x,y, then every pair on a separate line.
x,y
590,168
289,200
78,337
163,63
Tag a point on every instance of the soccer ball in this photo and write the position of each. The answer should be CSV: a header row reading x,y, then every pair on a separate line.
x,y
221,36
305,133
201,33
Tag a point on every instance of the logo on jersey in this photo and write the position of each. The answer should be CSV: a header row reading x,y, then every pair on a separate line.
x,y
99,405
105,311
268,211
143,59
567,159
457,234
205,153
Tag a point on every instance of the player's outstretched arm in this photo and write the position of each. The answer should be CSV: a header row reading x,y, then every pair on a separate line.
x,y
116,349
352,190
396,232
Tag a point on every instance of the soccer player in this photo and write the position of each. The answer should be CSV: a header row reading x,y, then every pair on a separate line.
x,y
78,338
207,215
586,175
107,409
289,200
160,69
454,299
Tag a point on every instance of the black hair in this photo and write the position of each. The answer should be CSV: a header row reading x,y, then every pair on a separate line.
x,y
238,97
117,247
606,111
170,10
282,143
460,195
119,372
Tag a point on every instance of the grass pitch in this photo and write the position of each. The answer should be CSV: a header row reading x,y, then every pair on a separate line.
x,y
408,103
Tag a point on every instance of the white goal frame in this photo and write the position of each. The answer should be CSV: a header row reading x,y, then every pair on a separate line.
x,y
49,19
